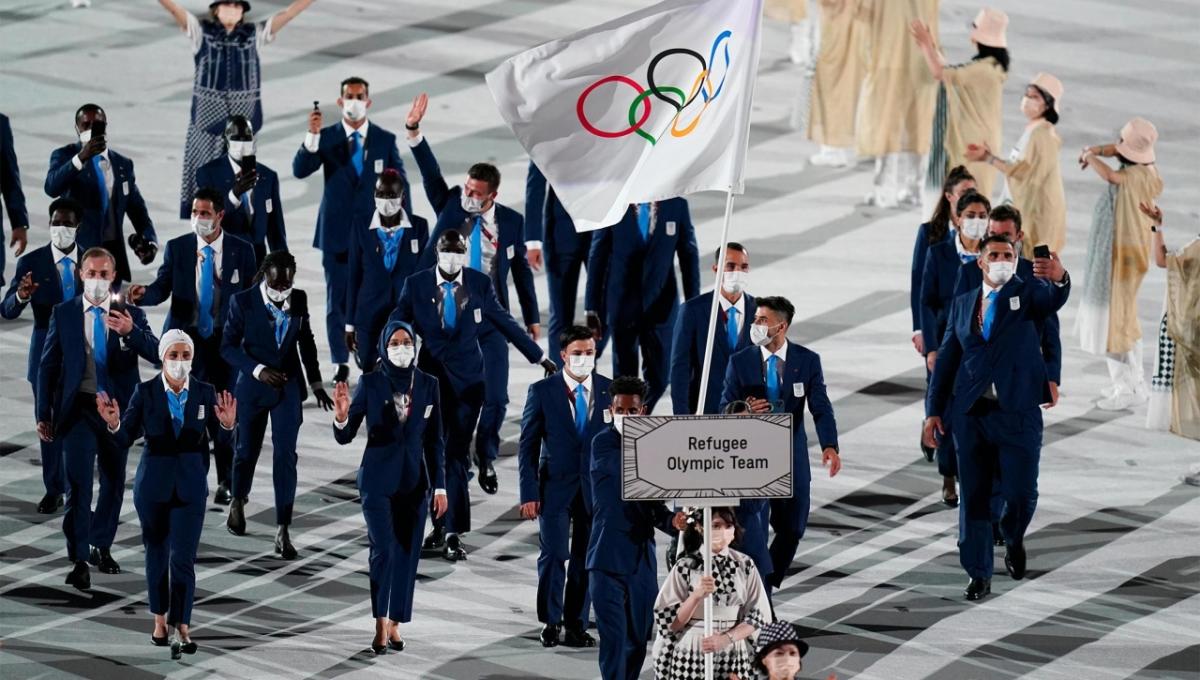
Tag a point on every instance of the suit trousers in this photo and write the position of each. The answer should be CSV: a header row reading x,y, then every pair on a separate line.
x,y
991,440
624,606
495,401
337,275
395,523
789,519
460,415
171,535
53,477
285,416
653,337
86,444
212,369
562,593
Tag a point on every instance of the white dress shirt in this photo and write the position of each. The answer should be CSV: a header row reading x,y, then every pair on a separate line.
x,y
572,383
489,245
740,306
105,167
218,246
766,356
88,319
377,223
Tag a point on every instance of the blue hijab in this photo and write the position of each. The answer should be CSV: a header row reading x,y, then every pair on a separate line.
x,y
401,378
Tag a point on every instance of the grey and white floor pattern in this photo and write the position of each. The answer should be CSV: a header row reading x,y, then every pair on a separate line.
x,y
1114,548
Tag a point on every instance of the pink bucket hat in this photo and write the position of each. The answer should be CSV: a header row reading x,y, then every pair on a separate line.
x,y
1137,141
1051,86
989,27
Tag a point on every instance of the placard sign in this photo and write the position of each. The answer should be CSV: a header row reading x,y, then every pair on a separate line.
x,y
708,456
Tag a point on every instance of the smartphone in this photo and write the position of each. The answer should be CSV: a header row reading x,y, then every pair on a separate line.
x,y
1042,251
117,304
249,163
99,128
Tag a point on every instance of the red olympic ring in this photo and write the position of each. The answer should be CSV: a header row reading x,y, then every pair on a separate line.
x,y
587,125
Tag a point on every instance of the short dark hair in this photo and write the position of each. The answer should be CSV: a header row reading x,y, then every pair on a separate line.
x,y
990,238
485,172
779,305
354,80
278,258
89,107
732,245
212,196
626,384
972,196
68,204
97,251
1006,212
573,334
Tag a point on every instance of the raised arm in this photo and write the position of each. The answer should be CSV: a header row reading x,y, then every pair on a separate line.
x,y
925,42
345,432
179,14
282,18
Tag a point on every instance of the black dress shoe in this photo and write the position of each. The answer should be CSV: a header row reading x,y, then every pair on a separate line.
x,y
576,637
378,650
928,451
159,641
549,636
103,560
977,588
188,647
283,544
342,373
222,496
80,576
487,478
997,535
436,540
236,521
396,645
454,550
1014,561
50,504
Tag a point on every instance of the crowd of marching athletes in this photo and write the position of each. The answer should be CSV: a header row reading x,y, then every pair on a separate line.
x,y
423,306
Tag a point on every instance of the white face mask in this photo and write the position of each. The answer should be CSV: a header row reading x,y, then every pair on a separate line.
x,y
177,369
354,109
401,355
999,273
734,282
974,228
97,290
239,149
619,422
85,136
388,206
472,204
62,237
278,295
781,665
760,334
203,228
452,263
580,365
721,538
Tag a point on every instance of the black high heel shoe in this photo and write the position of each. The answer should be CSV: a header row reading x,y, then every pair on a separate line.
x,y
159,641
397,645
189,647
379,650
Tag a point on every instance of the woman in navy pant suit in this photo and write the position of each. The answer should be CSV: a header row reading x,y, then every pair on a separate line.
x,y
179,417
403,464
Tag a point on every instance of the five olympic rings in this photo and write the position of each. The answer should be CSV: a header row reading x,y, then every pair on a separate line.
x,y
701,87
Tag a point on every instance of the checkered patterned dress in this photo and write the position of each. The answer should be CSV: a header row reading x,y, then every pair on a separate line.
x,y
677,655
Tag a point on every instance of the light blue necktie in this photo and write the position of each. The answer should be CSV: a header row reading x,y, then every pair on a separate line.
x,y
732,328
990,315
449,308
176,402
477,244
66,271
643,217
281,323
246,202
103,185
773,378
99,349
580,410
204,322
356,153
391,246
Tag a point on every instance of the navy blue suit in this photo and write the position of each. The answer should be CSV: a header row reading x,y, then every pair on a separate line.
x,y
564,254
372,289
452,355
510,258
39,262
938,281
802,382
261,224
402,465
176,280
554,461
83,434
10,189
920,252
248,341
687,352
1002,433
622,567
347,204
170,487
98,228
634,283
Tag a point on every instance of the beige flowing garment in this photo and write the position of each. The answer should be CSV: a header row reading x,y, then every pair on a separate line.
x,y
841,66
898,94
1183,324
1130,254
974,97
1036,185
792,11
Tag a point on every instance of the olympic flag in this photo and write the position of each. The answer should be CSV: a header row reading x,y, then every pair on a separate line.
x,y
646,107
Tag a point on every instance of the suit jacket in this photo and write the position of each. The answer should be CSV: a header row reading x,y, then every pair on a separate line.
x,y
399,457
266,226
547,221
372,290
63,361
970,277
630,278
802,382
458,349
62,179
1011,359
622,538
249,340
937,290
10,188
172,463
177,280
510,251
40,263
916,277
687,352
348,200
553,458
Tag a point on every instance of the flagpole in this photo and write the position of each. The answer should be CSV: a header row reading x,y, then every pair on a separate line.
x,y
704,375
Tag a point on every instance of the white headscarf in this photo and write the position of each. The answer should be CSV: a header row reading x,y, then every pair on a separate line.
x,y
174,336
